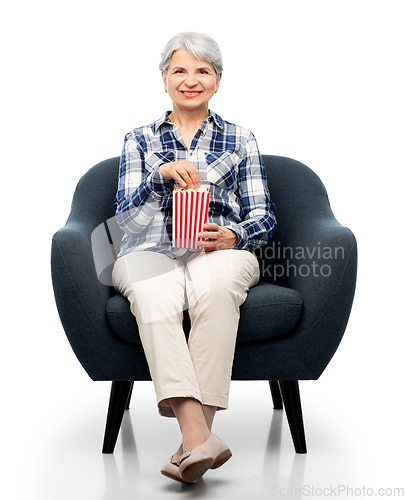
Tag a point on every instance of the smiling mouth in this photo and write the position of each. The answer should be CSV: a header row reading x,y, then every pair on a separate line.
x,y
191,93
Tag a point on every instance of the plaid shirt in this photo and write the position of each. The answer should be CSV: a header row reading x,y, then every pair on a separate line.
x,y
229,161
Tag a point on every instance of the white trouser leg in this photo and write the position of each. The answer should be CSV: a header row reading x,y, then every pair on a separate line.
x,y
216,284
154,284
214,313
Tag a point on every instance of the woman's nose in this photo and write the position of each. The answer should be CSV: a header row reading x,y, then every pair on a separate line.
x,y
191,80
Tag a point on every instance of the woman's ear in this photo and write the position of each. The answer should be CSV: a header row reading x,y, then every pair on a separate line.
x,y
164,81
218,81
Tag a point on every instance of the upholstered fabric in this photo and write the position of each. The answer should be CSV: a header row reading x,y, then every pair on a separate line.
x,y
292,341
269,311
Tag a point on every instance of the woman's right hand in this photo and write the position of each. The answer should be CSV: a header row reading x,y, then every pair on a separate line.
x,y
185,173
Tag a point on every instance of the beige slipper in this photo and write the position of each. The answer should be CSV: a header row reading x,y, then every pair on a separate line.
x,y
171,469
210,455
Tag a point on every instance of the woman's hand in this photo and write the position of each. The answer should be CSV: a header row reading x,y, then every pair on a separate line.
x,y
185,173
221,237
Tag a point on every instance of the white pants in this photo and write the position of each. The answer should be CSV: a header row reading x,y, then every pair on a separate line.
x,y
212,285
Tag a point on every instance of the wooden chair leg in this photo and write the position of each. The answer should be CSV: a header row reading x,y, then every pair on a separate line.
x,y
116,408
129,396
276,395
292,404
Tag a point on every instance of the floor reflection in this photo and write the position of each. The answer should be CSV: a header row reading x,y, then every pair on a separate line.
x,y
123,484
282,473
278,481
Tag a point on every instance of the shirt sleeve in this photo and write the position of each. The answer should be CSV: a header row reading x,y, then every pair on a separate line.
x,y
141,187
257,209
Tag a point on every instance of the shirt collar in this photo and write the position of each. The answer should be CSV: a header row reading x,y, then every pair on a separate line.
x,y
217,119
163,119
213,117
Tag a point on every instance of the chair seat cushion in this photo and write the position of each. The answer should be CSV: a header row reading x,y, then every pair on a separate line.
x,y
269,311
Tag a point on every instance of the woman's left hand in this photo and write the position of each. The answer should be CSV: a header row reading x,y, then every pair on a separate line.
x,y
220,237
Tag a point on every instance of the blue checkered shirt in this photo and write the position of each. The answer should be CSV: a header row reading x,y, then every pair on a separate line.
x,y
229,161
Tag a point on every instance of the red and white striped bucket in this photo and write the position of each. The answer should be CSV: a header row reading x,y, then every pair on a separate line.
x,y
190,213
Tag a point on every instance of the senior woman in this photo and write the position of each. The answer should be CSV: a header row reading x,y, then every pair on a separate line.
x,y
191,146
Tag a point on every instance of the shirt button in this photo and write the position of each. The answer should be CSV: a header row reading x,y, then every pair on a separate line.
x,y
201,133
190,154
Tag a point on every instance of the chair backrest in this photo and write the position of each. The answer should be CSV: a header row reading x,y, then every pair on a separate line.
x,y
94,195
292,186
92,208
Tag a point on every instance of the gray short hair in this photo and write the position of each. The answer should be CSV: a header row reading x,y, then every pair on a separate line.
x,y
203,47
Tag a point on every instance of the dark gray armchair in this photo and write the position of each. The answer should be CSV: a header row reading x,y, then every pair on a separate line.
x,y
291,323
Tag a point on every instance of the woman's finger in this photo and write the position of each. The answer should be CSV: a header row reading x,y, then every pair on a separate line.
x,y
192,174
211,234
211,226
181,173
179,179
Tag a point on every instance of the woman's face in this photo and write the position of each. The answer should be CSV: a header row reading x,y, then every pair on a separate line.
x,y
190,82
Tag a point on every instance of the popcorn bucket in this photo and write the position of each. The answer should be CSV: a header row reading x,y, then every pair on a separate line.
x,y
190,213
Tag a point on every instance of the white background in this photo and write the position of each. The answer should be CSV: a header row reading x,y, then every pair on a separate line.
x,y
319,81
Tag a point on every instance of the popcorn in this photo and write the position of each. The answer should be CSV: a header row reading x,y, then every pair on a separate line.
x,y
190,213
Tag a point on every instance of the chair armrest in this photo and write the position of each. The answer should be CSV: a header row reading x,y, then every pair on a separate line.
x,y
327,269
316,256
80,297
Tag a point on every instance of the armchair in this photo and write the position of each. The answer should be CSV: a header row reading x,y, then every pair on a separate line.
x,y
291,323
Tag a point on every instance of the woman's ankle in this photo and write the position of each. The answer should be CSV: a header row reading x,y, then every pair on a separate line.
x,y
180,450
194,434
192,421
